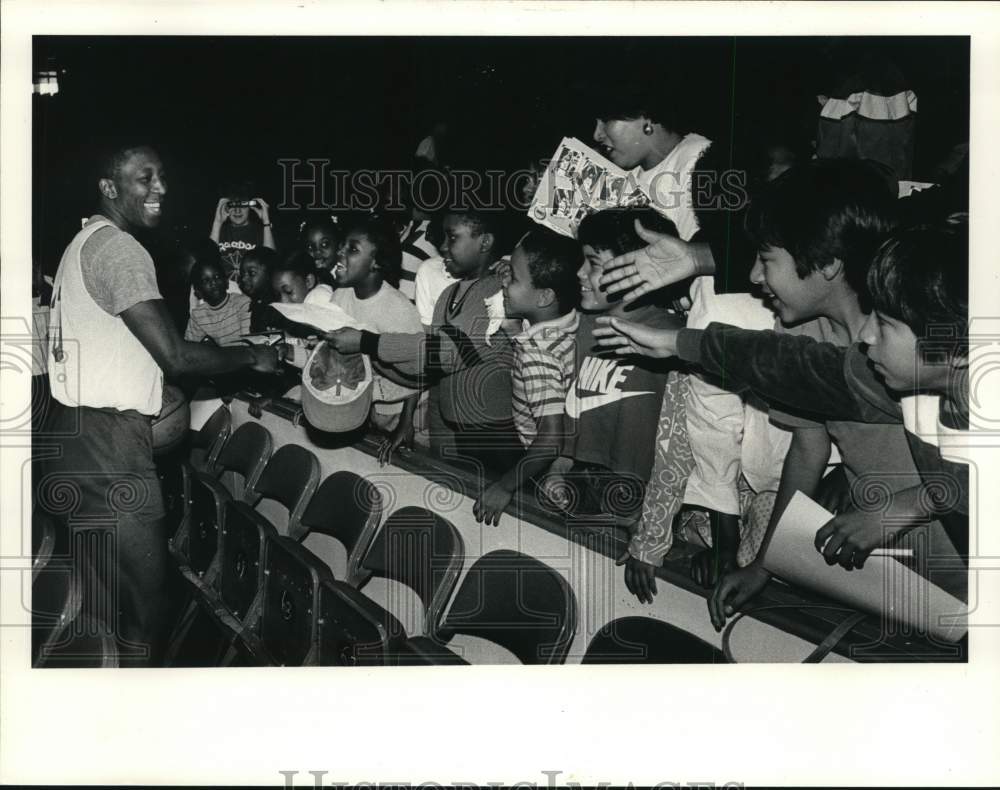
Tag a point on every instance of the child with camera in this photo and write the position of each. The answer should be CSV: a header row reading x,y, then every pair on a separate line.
x,y
241,224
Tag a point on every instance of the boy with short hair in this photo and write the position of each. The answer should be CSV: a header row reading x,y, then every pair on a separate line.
x,y
839,385
617,410
540,288
220,316
255,283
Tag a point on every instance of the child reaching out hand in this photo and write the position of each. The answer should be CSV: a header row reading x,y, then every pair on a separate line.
x,y
917,280
540,287
366,272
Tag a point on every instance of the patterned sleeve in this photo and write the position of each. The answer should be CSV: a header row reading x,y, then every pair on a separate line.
x,y
671,468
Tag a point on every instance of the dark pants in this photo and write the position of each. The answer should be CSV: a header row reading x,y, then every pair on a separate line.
x,y
104,492
494,446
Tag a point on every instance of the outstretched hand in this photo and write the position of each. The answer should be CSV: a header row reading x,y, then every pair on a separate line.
x,y
665,261
267,359
346,340
628,337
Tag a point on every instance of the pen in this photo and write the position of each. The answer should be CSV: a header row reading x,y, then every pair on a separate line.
x,y
891,553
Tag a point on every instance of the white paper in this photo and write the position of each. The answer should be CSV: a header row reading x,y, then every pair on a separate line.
x,y
882,586
326,317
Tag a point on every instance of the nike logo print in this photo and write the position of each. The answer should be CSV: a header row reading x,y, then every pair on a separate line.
x,y
577,405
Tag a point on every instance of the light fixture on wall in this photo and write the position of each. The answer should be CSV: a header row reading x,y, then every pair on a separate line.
x,y
46,83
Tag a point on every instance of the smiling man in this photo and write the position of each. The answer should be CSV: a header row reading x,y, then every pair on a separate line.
x,y
111,340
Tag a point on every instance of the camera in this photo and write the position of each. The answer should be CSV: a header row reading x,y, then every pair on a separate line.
x,y
242,204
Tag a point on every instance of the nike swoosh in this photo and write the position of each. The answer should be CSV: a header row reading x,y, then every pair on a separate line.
x,y
575,405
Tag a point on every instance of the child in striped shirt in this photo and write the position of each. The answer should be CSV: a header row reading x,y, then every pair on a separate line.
x,y
541,288
220,316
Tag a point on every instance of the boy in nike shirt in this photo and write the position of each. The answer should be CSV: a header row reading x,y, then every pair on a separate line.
x,y
614,405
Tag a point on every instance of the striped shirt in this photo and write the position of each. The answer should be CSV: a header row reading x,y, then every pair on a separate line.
x,y
416,249
224,323
544,366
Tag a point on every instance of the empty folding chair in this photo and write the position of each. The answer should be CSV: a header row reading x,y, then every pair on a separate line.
x,y
346,508
215,622
351,630
196,541
243,546
195,639
207,443
643,640
205,448
421,551
290,478
288,626
307,617
510,599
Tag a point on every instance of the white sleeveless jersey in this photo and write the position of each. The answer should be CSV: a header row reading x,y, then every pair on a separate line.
x,y
94,359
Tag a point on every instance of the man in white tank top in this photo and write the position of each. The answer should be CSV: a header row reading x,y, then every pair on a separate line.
x,y
111,341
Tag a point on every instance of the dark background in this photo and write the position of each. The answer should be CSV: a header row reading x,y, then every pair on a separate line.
x,y
222,109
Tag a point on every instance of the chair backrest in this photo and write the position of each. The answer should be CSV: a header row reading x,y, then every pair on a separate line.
x,y
213,435
346,507
290,609
290,477
207,502
351,629
517,602
243,544
421,550
643,640
246,453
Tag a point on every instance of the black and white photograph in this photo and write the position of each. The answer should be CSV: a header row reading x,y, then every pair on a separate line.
x,y
326,368
588,178
567,162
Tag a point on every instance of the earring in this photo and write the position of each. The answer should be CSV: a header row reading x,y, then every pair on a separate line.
x,y
647,128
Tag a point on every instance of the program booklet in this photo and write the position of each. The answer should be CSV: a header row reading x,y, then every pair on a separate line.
x,y
579,181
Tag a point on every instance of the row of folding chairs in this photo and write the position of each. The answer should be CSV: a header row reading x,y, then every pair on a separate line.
x,y
260,597
263,598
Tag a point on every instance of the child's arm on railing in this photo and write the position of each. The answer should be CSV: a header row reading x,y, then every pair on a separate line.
x,y
539,457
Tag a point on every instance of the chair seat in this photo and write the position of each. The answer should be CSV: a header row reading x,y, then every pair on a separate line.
x,y
643,640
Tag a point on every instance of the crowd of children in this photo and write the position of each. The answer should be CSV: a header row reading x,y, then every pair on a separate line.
x,y
599,371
